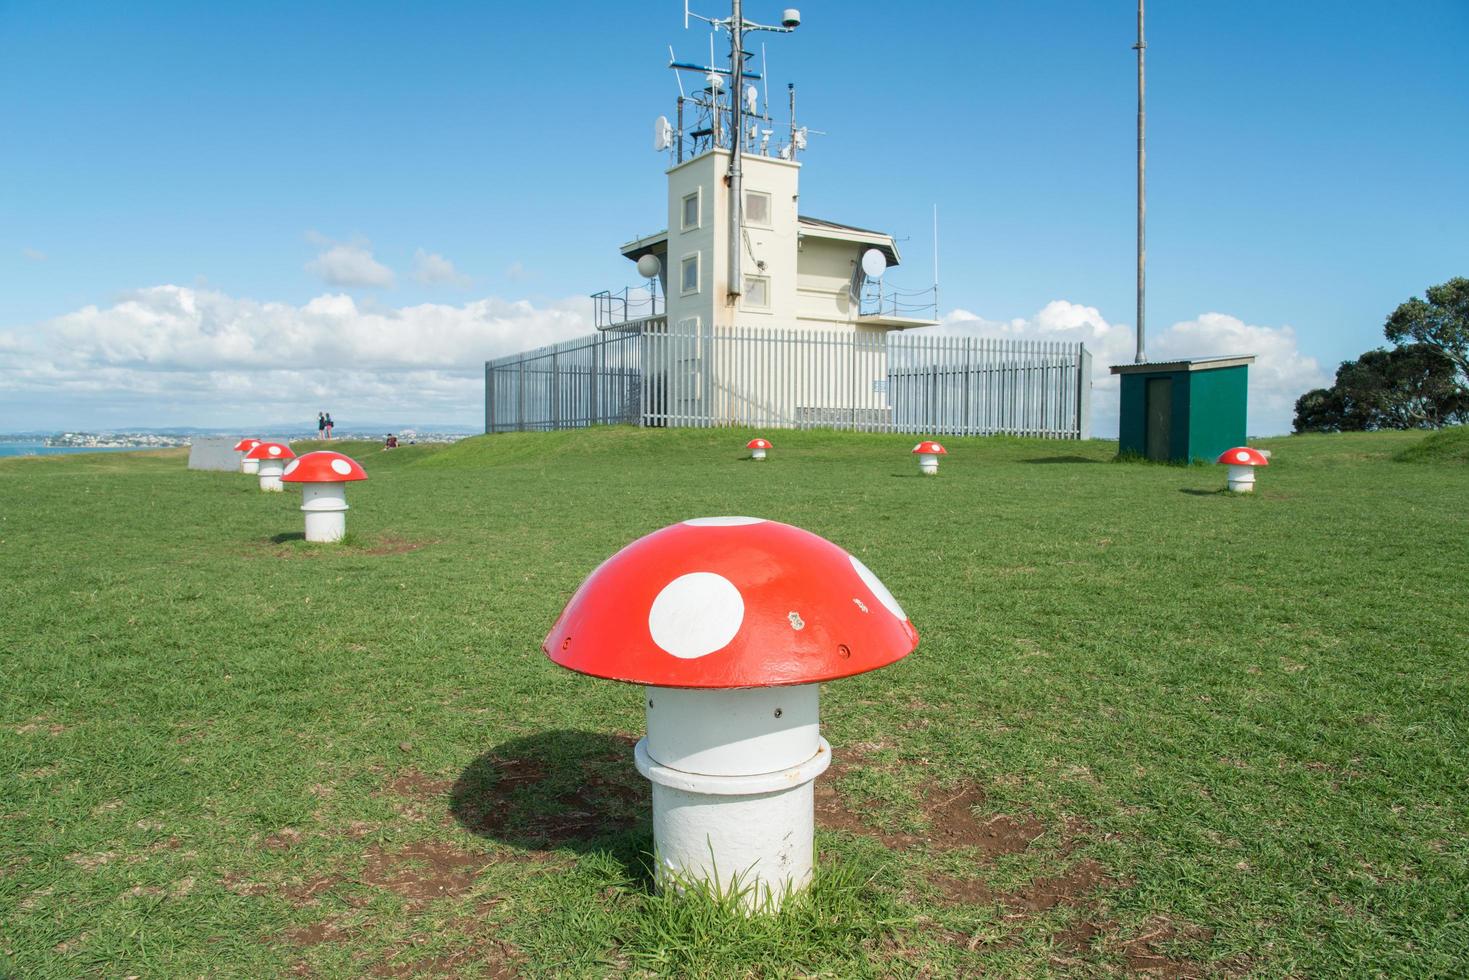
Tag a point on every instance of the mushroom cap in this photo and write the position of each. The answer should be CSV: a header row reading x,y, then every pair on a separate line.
x,y
1243,456
245,445
271,450
323,466
758,443
930,448
723,602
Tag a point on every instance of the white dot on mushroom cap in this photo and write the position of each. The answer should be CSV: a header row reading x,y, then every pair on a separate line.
x,y
696,614
342,466
291,466
274,450
1242,456
723,521
878,589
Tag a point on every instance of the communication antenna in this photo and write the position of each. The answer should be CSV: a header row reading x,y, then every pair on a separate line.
x,y
676,76
935,261
736,25
662,134
1142,195
765,82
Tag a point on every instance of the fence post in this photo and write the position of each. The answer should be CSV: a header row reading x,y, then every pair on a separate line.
x,y
1084,394
489,398
520,399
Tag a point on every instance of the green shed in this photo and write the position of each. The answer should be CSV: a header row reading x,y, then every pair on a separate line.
x,y
1184,410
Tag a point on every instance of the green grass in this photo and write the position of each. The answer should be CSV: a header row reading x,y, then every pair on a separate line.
x,y
1444,446
1234,725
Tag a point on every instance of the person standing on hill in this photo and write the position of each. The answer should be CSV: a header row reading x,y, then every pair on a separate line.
x,y
328,426
321,425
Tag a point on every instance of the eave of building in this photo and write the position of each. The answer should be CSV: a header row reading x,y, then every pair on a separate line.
x,y
821,228
807,227
647,245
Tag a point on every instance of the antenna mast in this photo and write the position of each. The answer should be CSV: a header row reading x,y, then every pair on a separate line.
x,y
1142,195
737,26
737,142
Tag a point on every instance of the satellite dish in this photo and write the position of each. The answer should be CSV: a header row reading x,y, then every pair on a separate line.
x,y
649,266
715,82
752,99
662,133
874,263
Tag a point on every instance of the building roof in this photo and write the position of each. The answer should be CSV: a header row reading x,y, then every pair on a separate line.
x,y
815,227
821,228
1185,364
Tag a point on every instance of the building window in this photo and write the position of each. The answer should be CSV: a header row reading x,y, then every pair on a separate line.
x,y
757,292
691,211
757,208
689,278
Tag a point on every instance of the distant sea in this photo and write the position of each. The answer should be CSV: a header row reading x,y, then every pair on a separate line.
x,y
37,449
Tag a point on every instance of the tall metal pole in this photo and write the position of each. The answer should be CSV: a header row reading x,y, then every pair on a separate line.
x,y
737,139
1142,195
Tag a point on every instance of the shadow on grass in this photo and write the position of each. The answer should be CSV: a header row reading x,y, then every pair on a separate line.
x,y
1221,492
1061,459
287,536
559,789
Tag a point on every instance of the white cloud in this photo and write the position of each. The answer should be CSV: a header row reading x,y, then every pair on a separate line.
x,y
178,355
350,264
1280,374
33,254
517,272
431,267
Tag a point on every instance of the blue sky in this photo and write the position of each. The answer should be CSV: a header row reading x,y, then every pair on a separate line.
x,y
1306,171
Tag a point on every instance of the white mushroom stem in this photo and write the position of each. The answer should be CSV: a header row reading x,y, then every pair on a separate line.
x,y
1242,479
270,474
325,505
250,466
928,463
757,454
732,796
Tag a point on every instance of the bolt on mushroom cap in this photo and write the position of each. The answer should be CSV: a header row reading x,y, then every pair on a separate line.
x,y
271,450
1243,456
758,443
930,448
323,466
244,445
722,602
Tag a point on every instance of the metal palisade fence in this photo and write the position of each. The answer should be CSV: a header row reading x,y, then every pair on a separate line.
x,y
654,374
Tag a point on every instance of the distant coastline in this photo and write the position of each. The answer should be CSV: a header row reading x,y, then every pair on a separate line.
x,y
39,448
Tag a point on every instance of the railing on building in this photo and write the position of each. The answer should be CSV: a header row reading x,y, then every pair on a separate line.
x,y
794,378
630,304
878,297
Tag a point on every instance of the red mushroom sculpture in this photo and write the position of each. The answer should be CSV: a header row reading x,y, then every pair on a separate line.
x,y
323,476
928,453
248,465
731,624
271,458
757,447
1242,461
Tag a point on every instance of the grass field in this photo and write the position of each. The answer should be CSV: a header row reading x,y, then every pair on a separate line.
x,y
1150,725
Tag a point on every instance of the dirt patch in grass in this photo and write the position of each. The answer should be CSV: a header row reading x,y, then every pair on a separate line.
x,y
951,819
494,959
424,871
390,544
282,840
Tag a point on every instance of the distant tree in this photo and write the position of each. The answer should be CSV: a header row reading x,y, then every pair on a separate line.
x,y
1442,323
1409,387
1319,410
